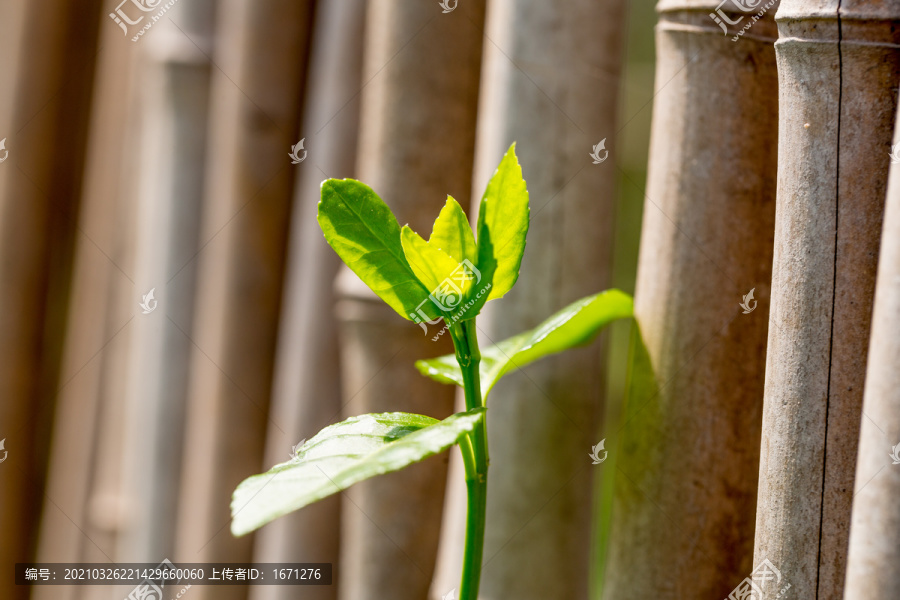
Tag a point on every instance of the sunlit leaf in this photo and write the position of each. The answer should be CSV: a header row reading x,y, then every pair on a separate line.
x,y
431,265
575,325
452,233
341,455
364,233
503,225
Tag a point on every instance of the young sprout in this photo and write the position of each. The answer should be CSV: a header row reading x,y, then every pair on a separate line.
x,y
448,277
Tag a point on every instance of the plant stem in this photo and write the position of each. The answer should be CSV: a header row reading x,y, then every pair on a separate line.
x,y
475,454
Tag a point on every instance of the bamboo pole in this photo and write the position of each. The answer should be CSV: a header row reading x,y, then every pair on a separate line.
x,y
875,529
12,28
14,524
126,510
254,117
87,514
550,82
306,395
685,488
417,136
43,159
173,96
838,69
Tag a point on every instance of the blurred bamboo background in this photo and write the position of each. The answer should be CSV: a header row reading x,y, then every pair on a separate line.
x,y
161,163
174,322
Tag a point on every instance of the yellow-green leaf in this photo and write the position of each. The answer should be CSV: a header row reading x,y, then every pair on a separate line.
x,y
429,263
503,219
452,233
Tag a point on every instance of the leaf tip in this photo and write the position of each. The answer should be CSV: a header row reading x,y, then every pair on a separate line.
x,y
331,185
238,526
237,531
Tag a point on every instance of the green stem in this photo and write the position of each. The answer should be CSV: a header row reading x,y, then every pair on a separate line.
x,y
475,455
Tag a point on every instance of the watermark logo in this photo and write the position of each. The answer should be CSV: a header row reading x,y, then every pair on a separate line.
x,y
721,18
296,159
152,587
132,16
596,153
461,312
748,298
2,447
895,153
746,6
749,588
148,303
450,596
445,4
3,150
121,17
448,295
182,592
895,453
595,452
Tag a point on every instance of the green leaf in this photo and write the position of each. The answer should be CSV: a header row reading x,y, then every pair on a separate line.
x,y
502,225
430,264
341,455
575,325
452,233
364,233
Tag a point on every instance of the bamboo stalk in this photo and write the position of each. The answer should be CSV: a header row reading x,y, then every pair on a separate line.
x,y
173,91
875,529
256,94
686,457
103,307
306,395
838,67
42,174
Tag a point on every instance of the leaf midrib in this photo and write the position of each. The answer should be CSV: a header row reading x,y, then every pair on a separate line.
x,y
358,215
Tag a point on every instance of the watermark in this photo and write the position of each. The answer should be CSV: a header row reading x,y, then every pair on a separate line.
x,y
5,452
895,453
895,153
3,150
154,581
748,298
124,18
296,159
445,4
595,452
448,295
749,588
745,6
148,303
601,145
152,587
36,574
461,312
450,596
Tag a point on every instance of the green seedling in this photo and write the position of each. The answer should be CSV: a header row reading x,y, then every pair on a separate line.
x,y
448,279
